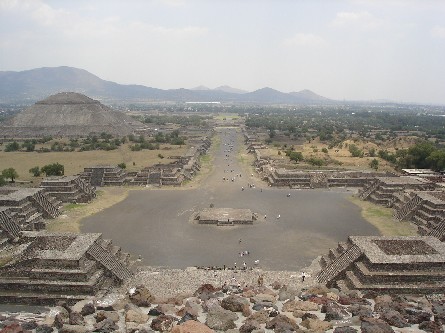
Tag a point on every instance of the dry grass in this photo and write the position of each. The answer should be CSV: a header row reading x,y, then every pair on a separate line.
x,y
381,218
75,162
70,220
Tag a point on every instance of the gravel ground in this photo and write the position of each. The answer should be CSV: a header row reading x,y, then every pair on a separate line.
x,y
164,282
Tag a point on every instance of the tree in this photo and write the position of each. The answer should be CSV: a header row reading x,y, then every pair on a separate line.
x,y
13,146
374,164
122,165
35,171
54,169
10,173
2,180
437,160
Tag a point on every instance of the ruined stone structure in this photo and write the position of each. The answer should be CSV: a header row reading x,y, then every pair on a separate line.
x,y
160,174
68,188
382,189
44,267
104,175
386,264
225,216
317,178
425,208
29,206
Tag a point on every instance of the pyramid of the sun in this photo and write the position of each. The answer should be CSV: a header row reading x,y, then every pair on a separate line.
x,y
69,114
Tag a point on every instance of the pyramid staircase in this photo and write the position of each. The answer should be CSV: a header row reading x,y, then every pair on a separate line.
x,y
48,208
109,261
337,263
368,190
409,208
8,225
97,177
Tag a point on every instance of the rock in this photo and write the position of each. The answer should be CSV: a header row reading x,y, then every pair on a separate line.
x,y
249,326
276,285
29,325
332,296
291,306
102,315
383,299
187,316
44,329
360,310
260,298
205,291
308,315
210,304
333,311
286,293
221,320
264,305
431,326
155,312
105,326
416,316
162,323
246,311
192,307
318,290
166,308
176,300
75,318
316,324
281,323
191,326
12,328
273,313
87,309
394,318
141,296
345,329
136,316
346,300
260,317
373,325
73,329
234,303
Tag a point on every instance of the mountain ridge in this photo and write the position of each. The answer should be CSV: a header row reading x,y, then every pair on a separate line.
x,y
39,83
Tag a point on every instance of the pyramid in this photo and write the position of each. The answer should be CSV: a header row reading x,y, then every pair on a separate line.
x,y
69,114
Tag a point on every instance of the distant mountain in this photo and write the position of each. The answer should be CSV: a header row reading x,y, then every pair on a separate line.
x,y
201,88
231,90
36,84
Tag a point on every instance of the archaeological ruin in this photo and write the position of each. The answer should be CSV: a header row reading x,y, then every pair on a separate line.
x,y
68,189
386,264
225,216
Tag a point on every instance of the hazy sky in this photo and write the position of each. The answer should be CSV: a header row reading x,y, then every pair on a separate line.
x,y
356,50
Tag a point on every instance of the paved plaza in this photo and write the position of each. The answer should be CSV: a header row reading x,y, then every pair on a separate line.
x,y
289,233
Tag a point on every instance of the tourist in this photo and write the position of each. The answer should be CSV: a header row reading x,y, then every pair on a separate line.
x,y
256,262
265,216
278,216
244,265
303,276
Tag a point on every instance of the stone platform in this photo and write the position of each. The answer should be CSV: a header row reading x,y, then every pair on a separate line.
x,y
225,216
399,264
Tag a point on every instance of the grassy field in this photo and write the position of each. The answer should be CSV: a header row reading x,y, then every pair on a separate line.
x,y
72,214
75,162
381,218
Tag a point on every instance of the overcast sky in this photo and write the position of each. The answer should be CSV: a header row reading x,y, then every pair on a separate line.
x,y
354,50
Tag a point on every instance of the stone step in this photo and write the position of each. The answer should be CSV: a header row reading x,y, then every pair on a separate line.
x,y
391,277
37,298
399,288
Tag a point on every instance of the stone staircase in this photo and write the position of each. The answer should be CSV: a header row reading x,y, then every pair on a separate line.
x,y
339,264
368,190
319,180
97,177
408,209
8,225
46,207
85,187
438,231
113,265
